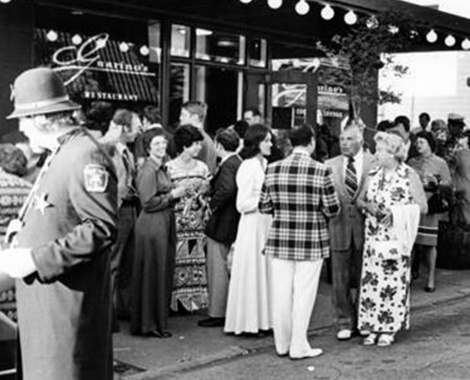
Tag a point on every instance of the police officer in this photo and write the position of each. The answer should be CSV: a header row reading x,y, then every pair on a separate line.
x,y
60,255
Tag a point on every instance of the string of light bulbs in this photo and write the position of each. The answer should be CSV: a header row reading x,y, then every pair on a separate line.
x,y
76,39
302,7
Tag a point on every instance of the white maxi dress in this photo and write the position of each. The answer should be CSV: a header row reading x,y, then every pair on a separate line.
x,y
248,305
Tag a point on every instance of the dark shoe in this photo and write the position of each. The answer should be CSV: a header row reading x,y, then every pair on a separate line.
x,y
430,289
212,322
159,334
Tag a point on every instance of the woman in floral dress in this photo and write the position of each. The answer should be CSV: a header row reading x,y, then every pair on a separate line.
x,y
191,212
384,299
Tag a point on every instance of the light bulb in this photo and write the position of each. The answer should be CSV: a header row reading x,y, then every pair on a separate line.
x,y
245,1
450,40
76,39
302,7
52,35
350,18
5,1
124,47
393,29
431,36
327,13
465,44
144,50
372,22
274,4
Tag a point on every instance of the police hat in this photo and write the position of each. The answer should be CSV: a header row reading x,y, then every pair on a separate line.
x,y
40,91
455,117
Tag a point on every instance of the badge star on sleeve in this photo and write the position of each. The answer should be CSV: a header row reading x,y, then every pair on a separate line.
x,y
41,203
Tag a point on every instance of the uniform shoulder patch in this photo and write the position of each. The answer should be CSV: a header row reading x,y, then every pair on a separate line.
x,y
96,178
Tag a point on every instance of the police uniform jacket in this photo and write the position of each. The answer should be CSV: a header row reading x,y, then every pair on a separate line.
x,y
299,192
64,308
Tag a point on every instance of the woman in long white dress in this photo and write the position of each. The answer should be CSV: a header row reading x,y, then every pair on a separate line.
x,y
248,305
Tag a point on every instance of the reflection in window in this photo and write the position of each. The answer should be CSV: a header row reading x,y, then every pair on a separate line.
x,y
155,47
288,104
220,47
257,52
180,41
179,90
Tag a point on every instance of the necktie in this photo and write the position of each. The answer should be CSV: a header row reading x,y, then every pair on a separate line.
x,y
351,178
130,172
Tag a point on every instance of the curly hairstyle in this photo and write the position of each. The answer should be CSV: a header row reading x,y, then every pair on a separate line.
x,y
149,135
429,138
185,136
13,160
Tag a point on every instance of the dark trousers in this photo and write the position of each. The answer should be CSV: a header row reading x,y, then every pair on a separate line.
x,y
121,261
346,272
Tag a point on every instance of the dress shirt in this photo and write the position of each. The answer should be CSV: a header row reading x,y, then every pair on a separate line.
x,y
358,164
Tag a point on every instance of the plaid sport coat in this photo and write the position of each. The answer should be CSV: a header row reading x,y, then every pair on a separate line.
x,y
299,192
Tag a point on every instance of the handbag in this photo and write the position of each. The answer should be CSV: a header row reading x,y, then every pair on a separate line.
x,y
453,241
386,249
439,202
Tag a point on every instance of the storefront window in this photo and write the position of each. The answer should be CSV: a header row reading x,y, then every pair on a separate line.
x,y
220,47
288,105
180,41
179,90
257,52
155,47
218,88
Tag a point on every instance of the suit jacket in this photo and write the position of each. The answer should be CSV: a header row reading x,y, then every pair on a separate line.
x,y
299,192
348,225
223,223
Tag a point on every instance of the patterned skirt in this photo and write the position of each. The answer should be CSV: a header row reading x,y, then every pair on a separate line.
x,y
384,298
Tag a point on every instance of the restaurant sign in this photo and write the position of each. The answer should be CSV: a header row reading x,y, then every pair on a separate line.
x,y
97,67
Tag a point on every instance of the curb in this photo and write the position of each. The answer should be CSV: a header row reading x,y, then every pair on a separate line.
x,y
235,352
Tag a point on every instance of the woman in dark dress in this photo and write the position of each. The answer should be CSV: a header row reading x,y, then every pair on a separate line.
x,y
154,260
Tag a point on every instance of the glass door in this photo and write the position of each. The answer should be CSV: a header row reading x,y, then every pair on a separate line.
x,y
285,98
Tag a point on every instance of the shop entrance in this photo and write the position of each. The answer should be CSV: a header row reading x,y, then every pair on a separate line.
x,y
286,98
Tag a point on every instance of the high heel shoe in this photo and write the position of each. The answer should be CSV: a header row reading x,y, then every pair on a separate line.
x,y
385,340
370,339
430,289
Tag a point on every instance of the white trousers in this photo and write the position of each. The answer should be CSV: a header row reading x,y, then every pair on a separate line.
x,y
294,290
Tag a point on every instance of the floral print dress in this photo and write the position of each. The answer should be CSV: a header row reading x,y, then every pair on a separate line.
x,y
384,299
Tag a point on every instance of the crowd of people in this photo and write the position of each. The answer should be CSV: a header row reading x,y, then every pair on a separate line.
x,y
127,218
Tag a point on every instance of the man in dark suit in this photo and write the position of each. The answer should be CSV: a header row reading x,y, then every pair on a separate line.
x,y
299,192
347,228
401,126
221,229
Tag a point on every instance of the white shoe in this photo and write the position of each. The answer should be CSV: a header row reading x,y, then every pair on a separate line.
x,y
344,334
312,353
370,340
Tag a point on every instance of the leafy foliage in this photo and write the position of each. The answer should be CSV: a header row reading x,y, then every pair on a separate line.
x,y
367,47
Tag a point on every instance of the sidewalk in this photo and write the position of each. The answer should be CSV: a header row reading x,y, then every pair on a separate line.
x,y
192,346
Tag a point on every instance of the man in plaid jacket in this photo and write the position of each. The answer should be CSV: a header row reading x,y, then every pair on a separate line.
x,y
299,192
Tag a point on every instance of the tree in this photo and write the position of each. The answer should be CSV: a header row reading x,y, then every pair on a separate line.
x,y
366,48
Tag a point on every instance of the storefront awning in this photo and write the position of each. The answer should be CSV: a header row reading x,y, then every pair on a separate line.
x,y
283,24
